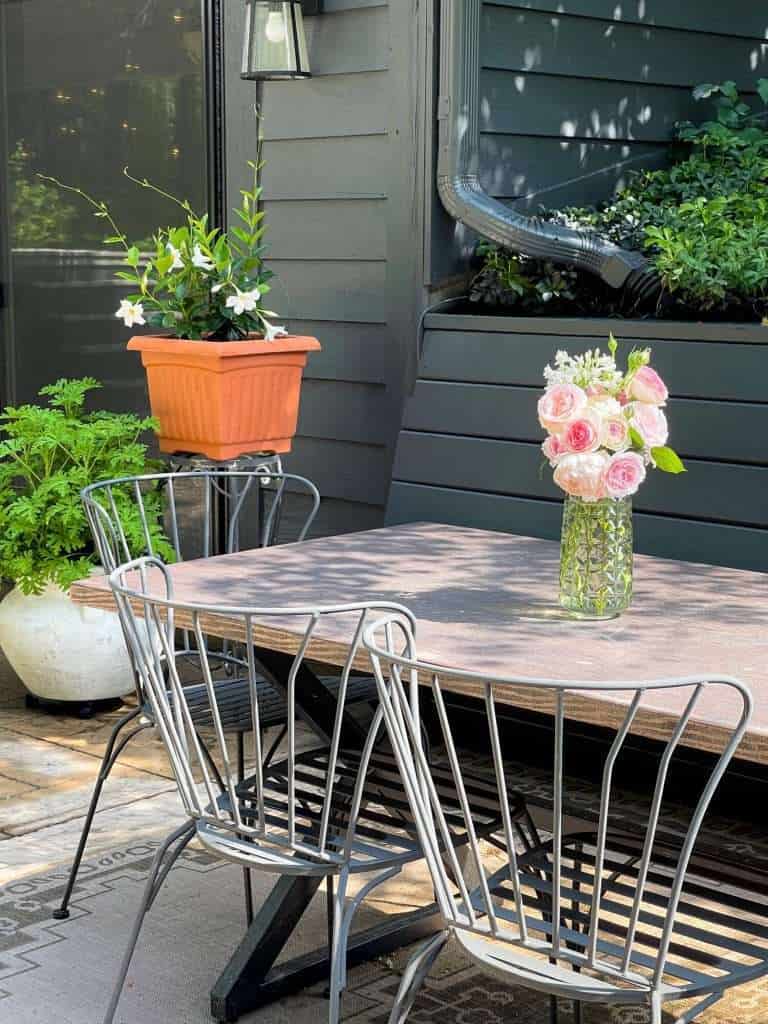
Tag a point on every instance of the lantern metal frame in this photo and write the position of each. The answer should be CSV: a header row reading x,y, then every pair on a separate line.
x,y
296,28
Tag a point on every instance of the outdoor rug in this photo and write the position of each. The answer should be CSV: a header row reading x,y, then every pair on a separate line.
x,y
61,972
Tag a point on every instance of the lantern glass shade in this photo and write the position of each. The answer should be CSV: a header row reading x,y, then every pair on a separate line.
x,y
275,46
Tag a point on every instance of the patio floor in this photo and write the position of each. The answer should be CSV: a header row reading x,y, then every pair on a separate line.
x,y
62,971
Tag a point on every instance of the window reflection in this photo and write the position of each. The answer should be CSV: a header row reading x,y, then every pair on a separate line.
x,y
90,87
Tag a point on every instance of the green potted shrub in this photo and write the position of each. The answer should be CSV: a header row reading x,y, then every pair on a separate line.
x,y
702,222
48,453
223,380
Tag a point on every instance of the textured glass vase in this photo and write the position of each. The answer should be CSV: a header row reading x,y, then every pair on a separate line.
x,y
596,557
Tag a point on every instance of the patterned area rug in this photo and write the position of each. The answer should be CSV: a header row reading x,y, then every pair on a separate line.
x,y
61,972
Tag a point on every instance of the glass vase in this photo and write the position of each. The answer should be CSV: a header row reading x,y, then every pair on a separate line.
x,y
596,557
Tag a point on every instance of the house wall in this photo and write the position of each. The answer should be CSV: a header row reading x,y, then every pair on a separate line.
x,y
344,231
469,452
574,93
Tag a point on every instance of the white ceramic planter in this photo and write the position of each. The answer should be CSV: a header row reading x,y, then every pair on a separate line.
x,y
63,651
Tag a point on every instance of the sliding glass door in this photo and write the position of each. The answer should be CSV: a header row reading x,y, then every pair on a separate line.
x,y
88,87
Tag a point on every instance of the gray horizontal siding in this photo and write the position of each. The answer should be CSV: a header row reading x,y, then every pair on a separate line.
x,y
344,411
351,352
723,431
691,540
520,40
336,290
327,229
327,179
536,171
742,17
471,439
340,166
353,40
559,106
329,107
712,490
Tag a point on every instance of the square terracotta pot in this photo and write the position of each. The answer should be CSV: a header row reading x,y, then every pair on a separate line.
x,y
224,398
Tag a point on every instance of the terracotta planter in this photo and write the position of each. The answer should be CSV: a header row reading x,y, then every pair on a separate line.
x,y
224,398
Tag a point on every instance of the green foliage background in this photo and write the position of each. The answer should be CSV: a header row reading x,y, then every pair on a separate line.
x,y
703,222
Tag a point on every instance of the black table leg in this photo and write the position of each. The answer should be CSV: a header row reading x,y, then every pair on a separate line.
x,y
250,980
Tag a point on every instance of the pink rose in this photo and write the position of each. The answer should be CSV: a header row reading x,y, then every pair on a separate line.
x,y
615,433
581,475
583,434
623,474
559,404
650,423
647,386
553,449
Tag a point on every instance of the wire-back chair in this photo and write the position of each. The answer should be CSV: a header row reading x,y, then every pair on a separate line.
x,y
184,515
323,812
604,916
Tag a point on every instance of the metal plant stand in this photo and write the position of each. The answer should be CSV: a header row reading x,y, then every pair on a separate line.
x,y
266,461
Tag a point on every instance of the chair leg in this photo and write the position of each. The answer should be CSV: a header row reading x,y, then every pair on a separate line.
x,y
338,950
157,875
655,1008
414,976
554,1013
576,1012
111,755
246,871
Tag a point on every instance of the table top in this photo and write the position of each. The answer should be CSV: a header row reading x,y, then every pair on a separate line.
x,y
487,602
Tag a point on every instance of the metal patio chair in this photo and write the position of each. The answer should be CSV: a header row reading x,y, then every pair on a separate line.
x,y
327,812
599,916
197,513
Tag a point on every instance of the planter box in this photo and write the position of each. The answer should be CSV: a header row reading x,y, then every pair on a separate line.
x,y
469,453
224,399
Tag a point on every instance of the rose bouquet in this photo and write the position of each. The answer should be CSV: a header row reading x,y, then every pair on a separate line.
x,y
605,428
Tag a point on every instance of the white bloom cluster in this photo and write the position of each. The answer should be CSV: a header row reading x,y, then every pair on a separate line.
x,y
594,368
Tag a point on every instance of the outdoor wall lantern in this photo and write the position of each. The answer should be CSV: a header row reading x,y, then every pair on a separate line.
x,y
275,46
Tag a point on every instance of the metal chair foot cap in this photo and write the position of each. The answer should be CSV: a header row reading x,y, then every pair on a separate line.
x,y
61,914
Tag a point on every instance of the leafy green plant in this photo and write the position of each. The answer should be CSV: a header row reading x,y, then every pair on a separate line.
x,y
197,281
703,222
47,455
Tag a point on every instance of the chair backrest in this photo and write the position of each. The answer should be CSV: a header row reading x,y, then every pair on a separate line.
x,y
571,899
152,620
197,513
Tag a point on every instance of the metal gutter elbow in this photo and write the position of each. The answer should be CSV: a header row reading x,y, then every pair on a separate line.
x,y
463,196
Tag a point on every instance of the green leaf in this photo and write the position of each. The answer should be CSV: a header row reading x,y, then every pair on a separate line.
x,y
636,439
132,256
667,460
163,264
612,344
762,89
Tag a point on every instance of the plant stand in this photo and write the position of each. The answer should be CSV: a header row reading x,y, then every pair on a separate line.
x,y
269,462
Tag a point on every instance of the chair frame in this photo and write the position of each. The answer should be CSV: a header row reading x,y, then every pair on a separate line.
x,y
219,823
113,549
474,918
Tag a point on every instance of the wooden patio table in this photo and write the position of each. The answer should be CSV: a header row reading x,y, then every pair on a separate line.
x,y
486,602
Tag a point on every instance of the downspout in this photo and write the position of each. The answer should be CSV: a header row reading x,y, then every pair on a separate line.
x,y
459,185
